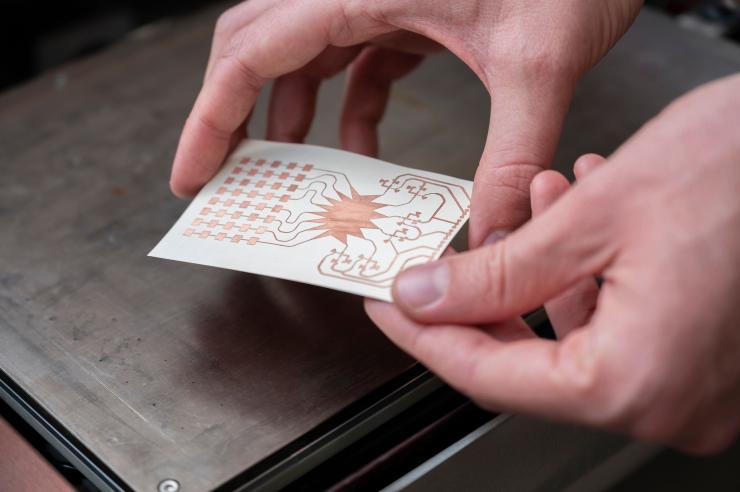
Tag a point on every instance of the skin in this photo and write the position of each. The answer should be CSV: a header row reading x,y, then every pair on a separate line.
x,y
655,352
528,55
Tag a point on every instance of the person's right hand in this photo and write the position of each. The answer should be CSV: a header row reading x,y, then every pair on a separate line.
x,y
529,56
656,351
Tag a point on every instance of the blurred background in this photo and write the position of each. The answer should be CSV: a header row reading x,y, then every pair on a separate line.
x,y
36,36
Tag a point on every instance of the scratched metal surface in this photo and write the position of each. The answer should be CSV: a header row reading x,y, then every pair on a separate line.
x,y
163,369
166,369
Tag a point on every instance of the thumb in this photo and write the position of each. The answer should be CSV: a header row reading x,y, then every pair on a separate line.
x,y
516,274
527,112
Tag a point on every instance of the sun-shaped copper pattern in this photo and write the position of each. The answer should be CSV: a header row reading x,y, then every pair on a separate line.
x,y
348,215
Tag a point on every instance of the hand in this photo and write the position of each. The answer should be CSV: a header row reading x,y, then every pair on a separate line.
x,y
658,356
529,57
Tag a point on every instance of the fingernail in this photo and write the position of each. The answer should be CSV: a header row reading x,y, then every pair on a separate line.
x,y
422,285
494,237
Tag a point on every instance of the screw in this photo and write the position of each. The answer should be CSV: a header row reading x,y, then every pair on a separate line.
x,y
168,485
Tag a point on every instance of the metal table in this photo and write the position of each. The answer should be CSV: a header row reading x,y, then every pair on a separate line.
x,y
144,370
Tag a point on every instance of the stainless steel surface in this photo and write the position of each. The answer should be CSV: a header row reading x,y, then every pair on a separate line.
x,y
170,370
527,455
163,370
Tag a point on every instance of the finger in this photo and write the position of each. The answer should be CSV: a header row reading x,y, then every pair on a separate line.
x,y
366,97
566,243
574,307
232,21
279,41
527,112
534,376
408,42
545,189
507,331
239,134
293,98
510,330
587,163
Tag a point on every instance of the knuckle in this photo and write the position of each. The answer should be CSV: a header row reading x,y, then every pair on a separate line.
x,y
542,64
206,122
588,378
516,175
489,270
504,177
341,30
476,386
532,61
508,185
624,408
225,22
582,376
462,363
611,410
597,191
495,276
249,75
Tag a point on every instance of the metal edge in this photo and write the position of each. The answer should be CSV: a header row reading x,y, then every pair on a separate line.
x,y
344,434
58,437
445,454
300,461
282,473
615,468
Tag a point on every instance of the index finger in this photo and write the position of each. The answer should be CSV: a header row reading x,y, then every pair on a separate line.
x,y
279,41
